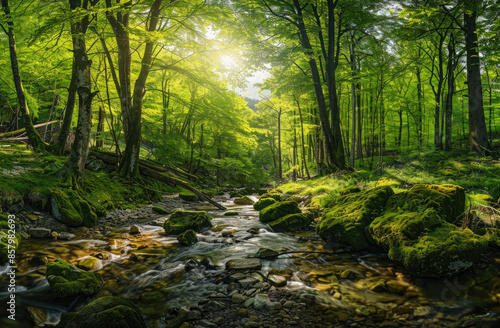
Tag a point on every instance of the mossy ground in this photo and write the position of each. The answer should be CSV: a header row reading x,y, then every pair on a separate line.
x,y
24,173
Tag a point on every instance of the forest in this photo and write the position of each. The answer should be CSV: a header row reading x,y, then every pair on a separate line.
x,y
323,163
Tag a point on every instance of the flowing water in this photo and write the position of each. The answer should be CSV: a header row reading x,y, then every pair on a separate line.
x,y
159,276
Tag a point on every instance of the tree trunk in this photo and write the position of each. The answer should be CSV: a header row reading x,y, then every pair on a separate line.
x,y
420,134
304,162
34,138
353,103
477,125
100,129
280,168
129,165
449,95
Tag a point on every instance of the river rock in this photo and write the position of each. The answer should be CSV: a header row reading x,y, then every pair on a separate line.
x,y
262,203
135,229
263,253
278,210
108,311
90,264
37,316
291,222
243,201
65,236
244,264
237,298
67,280
187,238
345,222
40,232
181,221
231,213
263,302
274,196
276,280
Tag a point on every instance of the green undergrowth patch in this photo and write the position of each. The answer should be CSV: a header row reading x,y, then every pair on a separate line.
x,y
31,178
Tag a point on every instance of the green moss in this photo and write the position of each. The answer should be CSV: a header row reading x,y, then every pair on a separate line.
x,y
187,238
188,196
243,201
345,222
231,213
441,252
234,194
69,208
263,203
66,280
278,210
492,235
160,210
109,311
181,221
275,196
291,222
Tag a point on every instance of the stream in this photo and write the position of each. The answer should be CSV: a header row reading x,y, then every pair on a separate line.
x,y
349,289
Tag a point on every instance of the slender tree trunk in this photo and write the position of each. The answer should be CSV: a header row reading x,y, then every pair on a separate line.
x,y
353,103
100,129
420,134
280,167
477,125
449,95
438,137
304,161
129,165
360,122
33,137
60,144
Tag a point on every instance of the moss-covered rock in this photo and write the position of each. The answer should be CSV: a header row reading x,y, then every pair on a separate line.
x,y
69,208
291,222
231,213
262,203
441,252
415,232
67,280
278,210
90,263
160,210
181,221
235,194
187,238
243,201
108,311
275,196
5,239
492,235
345,222
188,196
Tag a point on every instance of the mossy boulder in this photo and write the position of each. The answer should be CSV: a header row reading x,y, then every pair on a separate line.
x,y
262,203
235,194
275,196
243,201
72,210
187,238
291,222
346,221
181,221
278,210
160,210
441,252
492,235
416,232
231,213
108,311
67,280
5,238
188,196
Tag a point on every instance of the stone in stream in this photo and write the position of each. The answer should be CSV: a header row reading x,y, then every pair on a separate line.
x,y
40,232
65,236
160,210
244,264
263,253
67,280
108,311
37,316
276,280
181,221
135,229
278,210
90,263
187,238
262,203
243,201
231,213
291,222
263,302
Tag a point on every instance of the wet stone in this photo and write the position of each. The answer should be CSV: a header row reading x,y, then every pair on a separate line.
x,y
37,316
276,280
40,232
237,298
247,282
243,264
135,229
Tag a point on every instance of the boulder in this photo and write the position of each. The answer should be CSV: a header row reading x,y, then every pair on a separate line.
x,y
90,264
345,222
262,203
96,165
414,229
40,232
67,280
235,194
160,210
244,264
187,238
274,196
181,221
69,208
231,213
188,196
291,222
108,311
278,210
243,201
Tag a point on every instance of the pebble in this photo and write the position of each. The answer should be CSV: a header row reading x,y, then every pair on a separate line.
x,y
238,298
